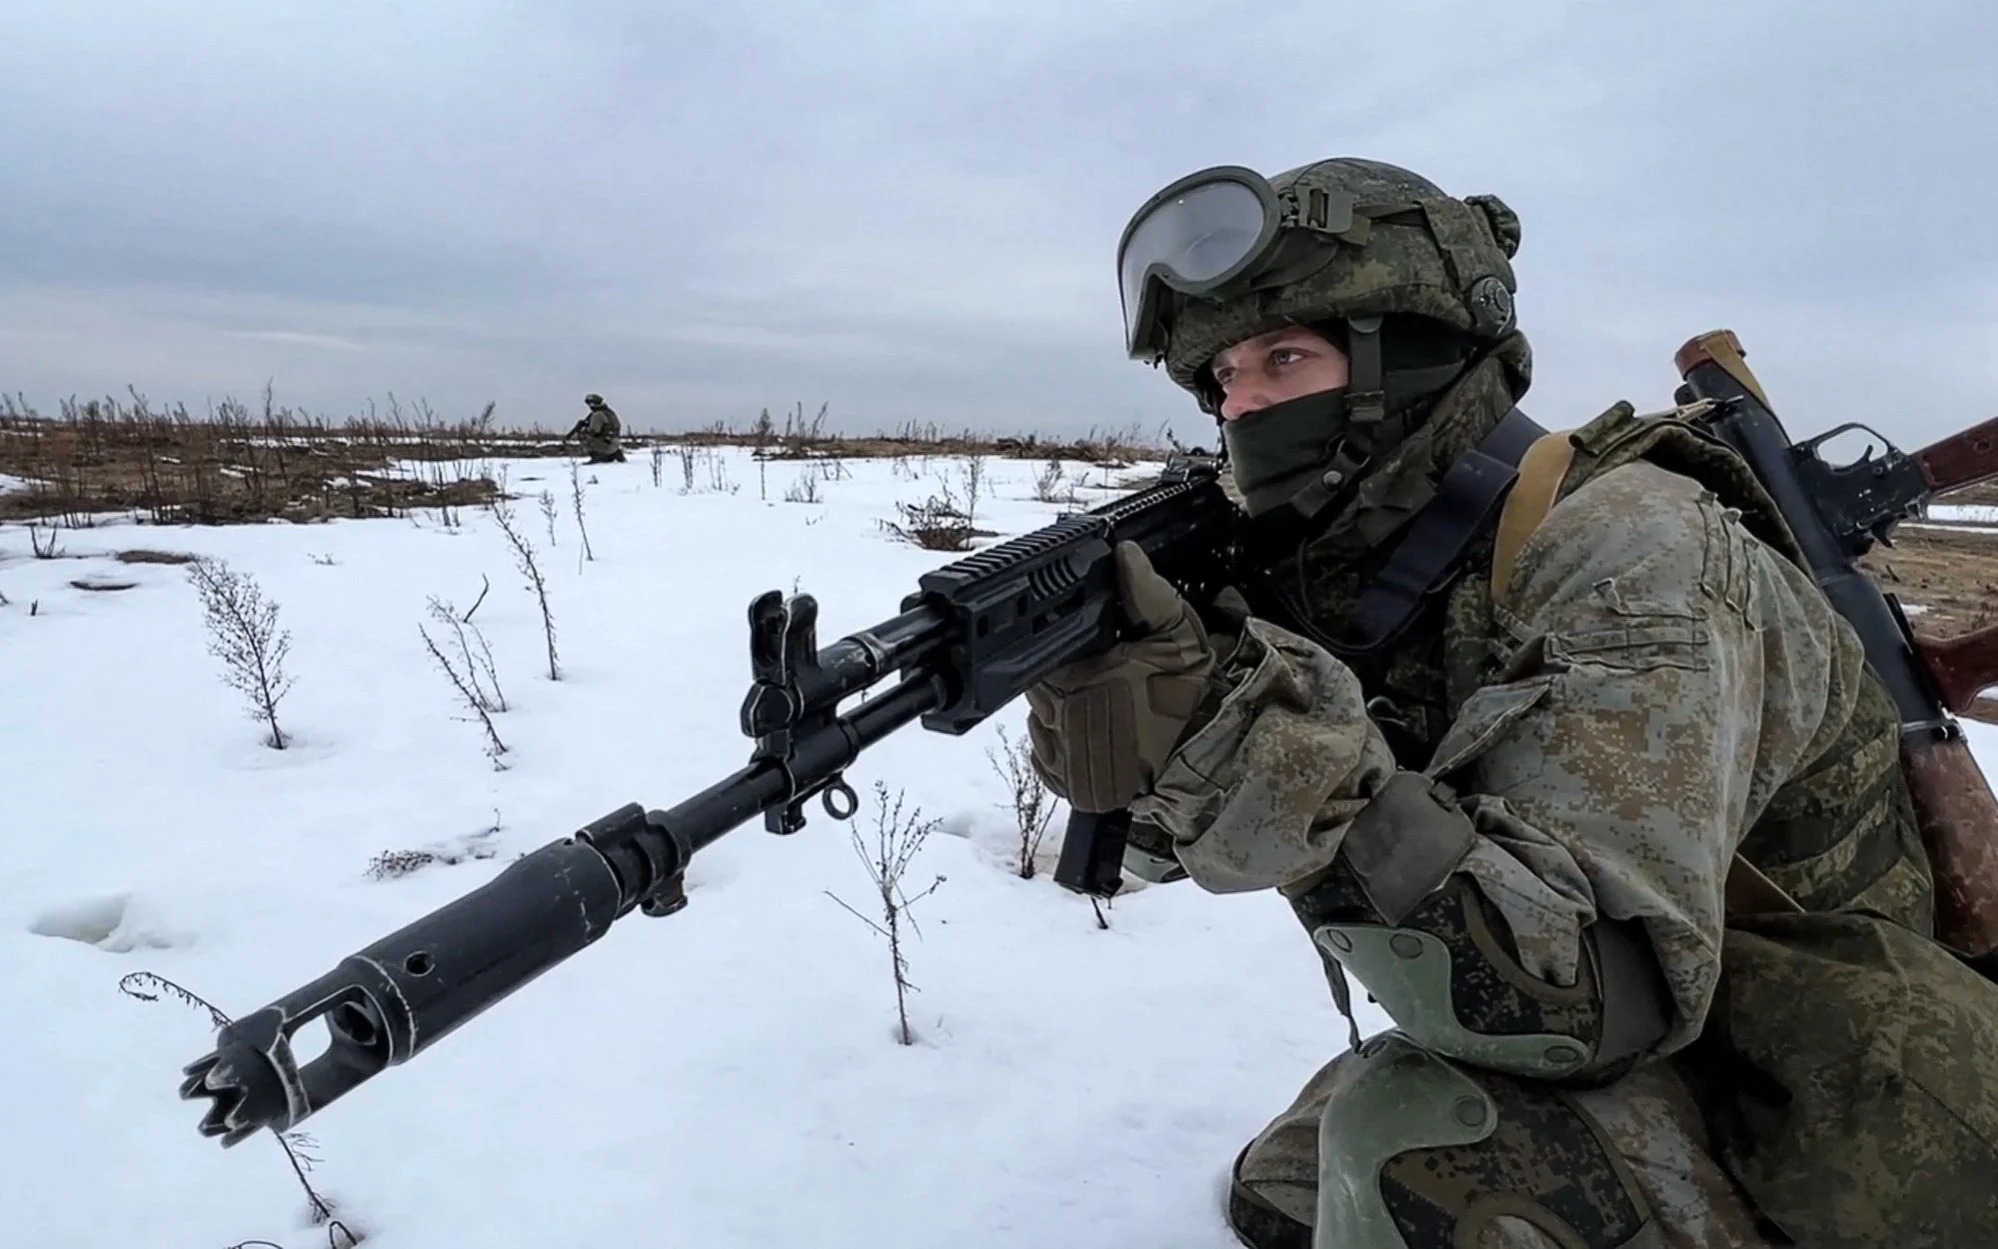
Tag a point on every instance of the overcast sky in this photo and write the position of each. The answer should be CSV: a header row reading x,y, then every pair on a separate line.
x,y
909,211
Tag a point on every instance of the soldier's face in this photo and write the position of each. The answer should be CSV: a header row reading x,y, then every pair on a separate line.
x,y
1270,368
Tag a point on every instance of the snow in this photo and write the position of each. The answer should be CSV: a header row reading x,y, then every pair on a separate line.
x,y
727,1076
1963,513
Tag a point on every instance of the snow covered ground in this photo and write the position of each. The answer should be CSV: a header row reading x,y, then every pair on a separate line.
x,y
727,1076
1963,513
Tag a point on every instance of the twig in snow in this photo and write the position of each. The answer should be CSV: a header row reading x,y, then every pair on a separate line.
x,y
471,688
485,584
524,555
576,492
1032,804
896,841
548,513
243,634
293,1143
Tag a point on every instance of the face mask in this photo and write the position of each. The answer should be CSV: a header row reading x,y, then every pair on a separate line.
x,y
1288,448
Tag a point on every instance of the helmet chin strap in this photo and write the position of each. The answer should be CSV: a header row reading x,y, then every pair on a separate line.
x,y
1366,389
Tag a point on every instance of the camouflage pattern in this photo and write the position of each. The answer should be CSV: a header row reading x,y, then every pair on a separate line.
x,y
1658,688
1852,1064
600,431
1651,619
1650,1120
1422,253
1842,835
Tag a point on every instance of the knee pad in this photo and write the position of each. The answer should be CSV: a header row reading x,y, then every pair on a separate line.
x,y
1416,1152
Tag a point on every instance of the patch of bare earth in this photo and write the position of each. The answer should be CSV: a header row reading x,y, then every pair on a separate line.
x,y
1947,578
143,556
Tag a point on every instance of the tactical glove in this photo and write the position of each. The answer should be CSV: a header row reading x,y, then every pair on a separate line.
x,y
1100,729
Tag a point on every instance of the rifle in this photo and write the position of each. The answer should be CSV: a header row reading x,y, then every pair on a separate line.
x,y
1836,515
974,635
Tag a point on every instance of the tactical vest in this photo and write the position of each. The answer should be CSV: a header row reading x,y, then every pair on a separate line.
x,y
1847,1064
1842,834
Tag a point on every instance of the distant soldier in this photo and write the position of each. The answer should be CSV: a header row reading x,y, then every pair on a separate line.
x,y
599,431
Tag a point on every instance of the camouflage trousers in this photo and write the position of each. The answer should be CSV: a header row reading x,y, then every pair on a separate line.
x,y
1649,1117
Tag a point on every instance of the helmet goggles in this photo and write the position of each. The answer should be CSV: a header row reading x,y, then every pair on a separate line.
x,y
1211,233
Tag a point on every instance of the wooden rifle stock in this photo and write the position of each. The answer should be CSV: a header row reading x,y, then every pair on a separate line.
x,y
1962,459
1953,801
1963,666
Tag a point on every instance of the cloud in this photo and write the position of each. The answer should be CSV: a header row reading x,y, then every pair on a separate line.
x,y
908,211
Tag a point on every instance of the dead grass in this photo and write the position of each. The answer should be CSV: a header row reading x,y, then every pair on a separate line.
x,y
234,465
802,438
237,464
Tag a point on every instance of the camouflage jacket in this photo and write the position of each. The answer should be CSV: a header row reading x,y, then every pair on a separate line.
x,y
1666,687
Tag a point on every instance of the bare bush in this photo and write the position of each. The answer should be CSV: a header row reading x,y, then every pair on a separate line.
x,y
523,551
803,490
718,476
686,456
971,476
243,634
42,540
1048,483
658,463
1032,804
936,524
474,676
897,840
547,498
576,494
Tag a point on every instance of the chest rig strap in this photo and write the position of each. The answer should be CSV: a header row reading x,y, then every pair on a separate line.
x,y
1432,553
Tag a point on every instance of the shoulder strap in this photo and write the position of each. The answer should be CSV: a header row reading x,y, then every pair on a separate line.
x,y
1432,551
1541,471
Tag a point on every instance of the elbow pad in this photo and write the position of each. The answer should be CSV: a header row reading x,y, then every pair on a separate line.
x,y
1436,955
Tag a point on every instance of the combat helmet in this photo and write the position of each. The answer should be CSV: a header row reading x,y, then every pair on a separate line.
x,y
1409,282
593,400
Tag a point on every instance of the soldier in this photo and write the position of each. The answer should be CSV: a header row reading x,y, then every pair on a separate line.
x,y
1504,797
599,431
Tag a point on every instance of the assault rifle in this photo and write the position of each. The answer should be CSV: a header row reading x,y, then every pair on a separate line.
x,y
1836,515
972,638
